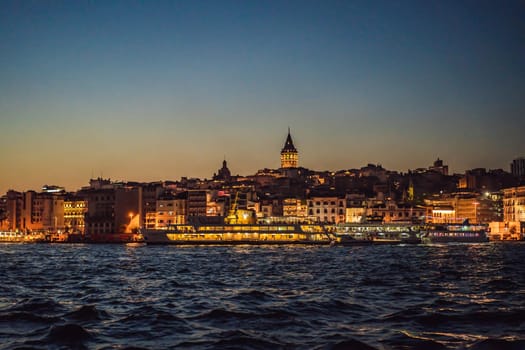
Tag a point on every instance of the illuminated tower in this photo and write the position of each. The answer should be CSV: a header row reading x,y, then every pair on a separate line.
x,y
289,154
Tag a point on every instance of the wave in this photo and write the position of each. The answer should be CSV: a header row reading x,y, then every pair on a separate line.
x,y
351,343
405,340
38,305
501,284
88,313
245,340
222,314
427,318
499,344
255,294
69,334
24,316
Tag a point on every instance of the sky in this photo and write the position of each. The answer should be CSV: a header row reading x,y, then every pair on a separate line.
x,y
157,90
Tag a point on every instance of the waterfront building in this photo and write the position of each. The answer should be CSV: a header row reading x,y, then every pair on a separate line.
x,y
3,213
75,209
150,220
480,209
440,214
171,210
112,207
469,208
128,208
506,231
356,208
100,213
295,207
149,195
355,214
13,211
270,206
390,211
464,206
514,204
32,211
510,226
330,209
196,203
289,154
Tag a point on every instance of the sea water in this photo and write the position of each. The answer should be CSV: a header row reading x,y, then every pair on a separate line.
x,y
81,296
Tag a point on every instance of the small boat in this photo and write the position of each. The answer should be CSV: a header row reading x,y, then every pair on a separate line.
x,y
21,237
455,233
377,233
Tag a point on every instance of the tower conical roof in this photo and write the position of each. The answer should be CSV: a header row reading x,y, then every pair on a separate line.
x,y
288,145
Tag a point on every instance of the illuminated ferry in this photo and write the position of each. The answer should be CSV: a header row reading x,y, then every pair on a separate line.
x,y
20,237
239,234
378,233
239,227
455,233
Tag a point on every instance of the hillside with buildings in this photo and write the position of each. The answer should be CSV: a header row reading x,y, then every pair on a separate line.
x,y
291,193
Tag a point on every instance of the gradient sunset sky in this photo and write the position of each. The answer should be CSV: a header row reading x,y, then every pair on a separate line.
x,y
156,90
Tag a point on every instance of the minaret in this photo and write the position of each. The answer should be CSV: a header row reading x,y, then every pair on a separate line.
x,y
289,154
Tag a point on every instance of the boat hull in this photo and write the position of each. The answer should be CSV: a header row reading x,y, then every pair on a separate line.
x,y
455,233
430,240
235,242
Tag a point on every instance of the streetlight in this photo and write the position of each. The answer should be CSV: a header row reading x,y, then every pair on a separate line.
x,y
128,229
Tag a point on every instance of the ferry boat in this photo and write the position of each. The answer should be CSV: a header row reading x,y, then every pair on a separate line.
x,y
239,227
21,237
378,233
239,234
455,233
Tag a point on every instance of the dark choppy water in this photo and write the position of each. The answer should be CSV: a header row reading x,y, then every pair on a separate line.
x,y
382,297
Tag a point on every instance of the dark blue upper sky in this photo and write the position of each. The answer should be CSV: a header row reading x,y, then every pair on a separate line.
x,y
156,90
